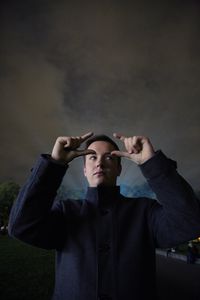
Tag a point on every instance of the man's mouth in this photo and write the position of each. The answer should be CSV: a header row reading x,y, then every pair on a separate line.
x,y
99,173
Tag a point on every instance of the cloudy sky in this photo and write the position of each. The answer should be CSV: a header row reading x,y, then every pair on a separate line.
x,y
69,67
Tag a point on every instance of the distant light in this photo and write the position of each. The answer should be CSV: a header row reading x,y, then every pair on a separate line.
x,y
197,240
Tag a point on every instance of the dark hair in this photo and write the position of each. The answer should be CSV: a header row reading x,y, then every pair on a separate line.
x,y
103,138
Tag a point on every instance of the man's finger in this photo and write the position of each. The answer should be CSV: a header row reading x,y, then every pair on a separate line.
x,y
84,152
121,154
86,136
119,136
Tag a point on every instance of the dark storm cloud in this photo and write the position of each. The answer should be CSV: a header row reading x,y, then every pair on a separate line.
x,y
75,66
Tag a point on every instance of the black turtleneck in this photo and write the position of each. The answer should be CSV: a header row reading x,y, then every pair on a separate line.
x,y
103,196
104,199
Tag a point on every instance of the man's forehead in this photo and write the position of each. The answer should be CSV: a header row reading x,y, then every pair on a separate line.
x,y
101,145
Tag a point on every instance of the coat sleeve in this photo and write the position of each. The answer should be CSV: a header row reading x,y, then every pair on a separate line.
x,y
175,217
34,217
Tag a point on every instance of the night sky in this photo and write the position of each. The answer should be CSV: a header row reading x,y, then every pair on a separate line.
x,y
69,67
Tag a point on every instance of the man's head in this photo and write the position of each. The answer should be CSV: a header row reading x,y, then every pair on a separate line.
x,y
101,168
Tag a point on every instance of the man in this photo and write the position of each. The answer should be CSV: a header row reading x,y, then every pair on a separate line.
x,y
106,243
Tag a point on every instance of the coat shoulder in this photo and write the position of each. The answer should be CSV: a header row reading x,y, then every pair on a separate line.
x,y
70,206
137,202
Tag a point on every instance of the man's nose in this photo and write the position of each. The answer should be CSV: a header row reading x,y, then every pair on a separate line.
x,y
100,162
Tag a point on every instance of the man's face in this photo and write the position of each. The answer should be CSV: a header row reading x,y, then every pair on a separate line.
x,y
101,168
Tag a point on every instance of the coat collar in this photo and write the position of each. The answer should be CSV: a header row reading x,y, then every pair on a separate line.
x,y
103,196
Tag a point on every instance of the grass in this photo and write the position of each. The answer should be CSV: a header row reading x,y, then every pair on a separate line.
x,y
26,272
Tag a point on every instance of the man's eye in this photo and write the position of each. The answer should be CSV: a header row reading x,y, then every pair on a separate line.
x,y
109,157
93,157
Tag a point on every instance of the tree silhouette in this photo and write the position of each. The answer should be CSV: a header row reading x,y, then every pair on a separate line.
x,y
8,193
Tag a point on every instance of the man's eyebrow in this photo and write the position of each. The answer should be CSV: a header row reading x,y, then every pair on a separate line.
x,y
108,153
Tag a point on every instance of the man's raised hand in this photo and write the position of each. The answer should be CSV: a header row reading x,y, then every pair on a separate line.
x,y
138,148
66,148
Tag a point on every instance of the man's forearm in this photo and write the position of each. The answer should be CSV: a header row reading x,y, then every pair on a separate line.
x,y
178,217
32,208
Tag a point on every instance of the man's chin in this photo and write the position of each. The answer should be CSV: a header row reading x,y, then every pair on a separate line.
x,y
102,182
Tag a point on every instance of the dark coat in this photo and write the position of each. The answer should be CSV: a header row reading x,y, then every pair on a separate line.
x,y
105,244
